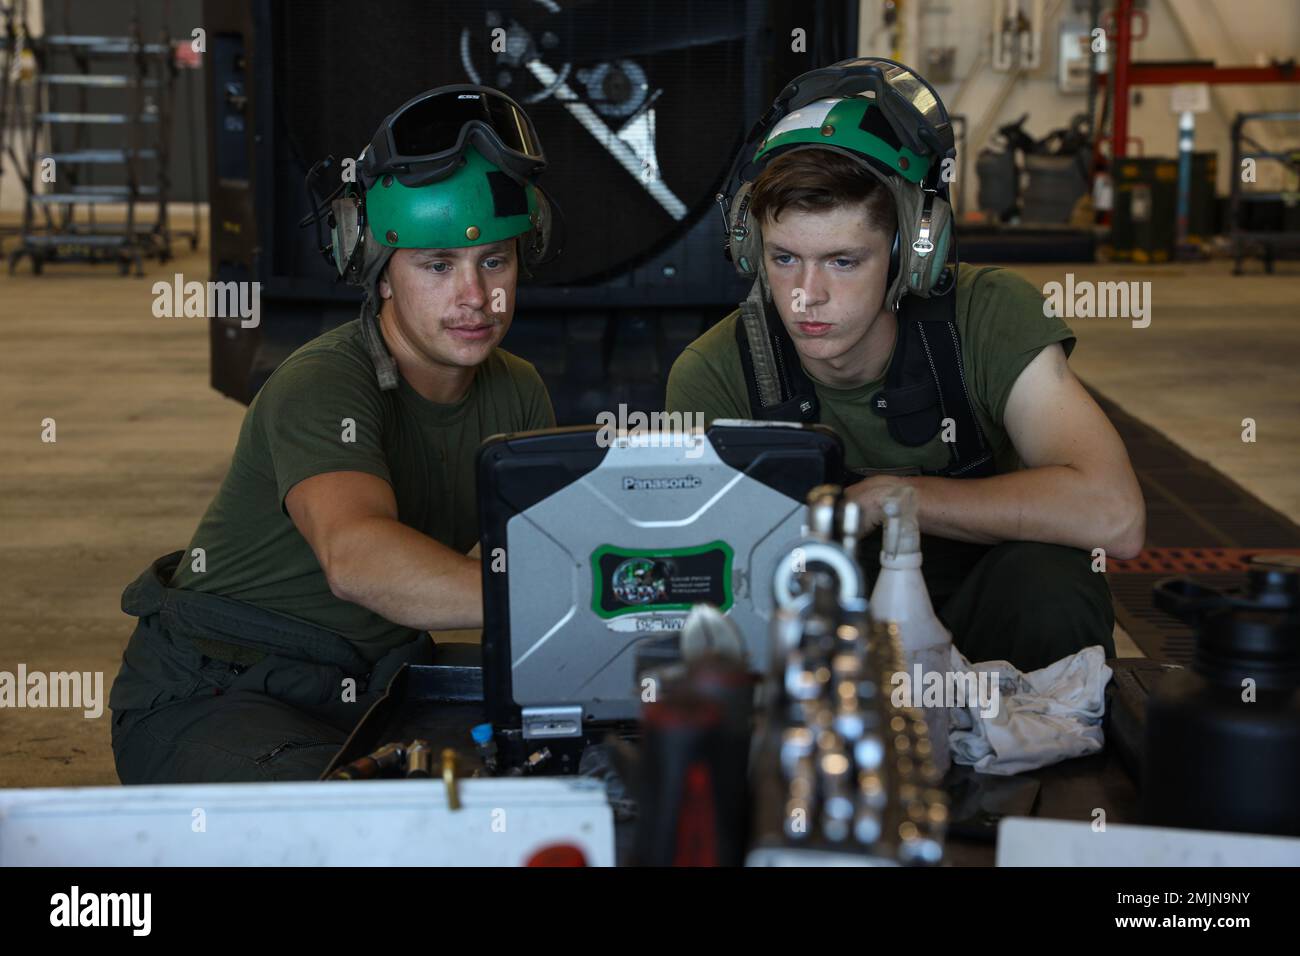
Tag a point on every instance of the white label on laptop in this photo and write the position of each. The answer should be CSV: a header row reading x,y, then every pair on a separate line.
x,y
646,623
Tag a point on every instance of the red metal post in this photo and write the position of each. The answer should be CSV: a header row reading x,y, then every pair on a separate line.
x,y
1123,54
1146,75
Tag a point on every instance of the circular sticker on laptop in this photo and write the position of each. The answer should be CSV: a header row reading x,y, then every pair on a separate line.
x,y
641,581
634,581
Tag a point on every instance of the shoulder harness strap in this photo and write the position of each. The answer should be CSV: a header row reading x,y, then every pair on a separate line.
x,y
924,384
779,389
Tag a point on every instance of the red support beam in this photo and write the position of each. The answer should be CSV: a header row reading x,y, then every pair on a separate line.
x,y
1141,74
1126,74
1123,53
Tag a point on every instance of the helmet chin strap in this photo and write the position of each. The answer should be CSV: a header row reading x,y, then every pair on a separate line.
x,y
763,284
385,364
372,271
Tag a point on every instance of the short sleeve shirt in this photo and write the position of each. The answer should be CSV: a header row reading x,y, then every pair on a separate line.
x,y
321,411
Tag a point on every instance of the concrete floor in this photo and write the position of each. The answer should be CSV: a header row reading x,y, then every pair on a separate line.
x,y
1220,348
143,443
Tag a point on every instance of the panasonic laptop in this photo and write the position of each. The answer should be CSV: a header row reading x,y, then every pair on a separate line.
x,y
596,546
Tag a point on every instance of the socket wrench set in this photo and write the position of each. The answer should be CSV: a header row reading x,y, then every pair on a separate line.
x,y
842,774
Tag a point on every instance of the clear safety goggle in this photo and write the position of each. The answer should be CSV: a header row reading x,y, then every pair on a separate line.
x,y
909,104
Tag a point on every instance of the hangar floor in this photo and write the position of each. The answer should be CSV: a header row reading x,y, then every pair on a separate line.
x,y
142,443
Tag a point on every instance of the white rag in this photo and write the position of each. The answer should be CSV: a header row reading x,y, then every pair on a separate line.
x,y
1042,717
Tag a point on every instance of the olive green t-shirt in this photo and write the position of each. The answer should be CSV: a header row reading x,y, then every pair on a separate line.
x,y
1000,323
322,410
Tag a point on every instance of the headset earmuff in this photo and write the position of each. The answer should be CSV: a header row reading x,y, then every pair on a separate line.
x,y
554,230
744,243
544,240
538,237
347,222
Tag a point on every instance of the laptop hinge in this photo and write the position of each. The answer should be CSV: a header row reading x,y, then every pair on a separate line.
x,y
540,723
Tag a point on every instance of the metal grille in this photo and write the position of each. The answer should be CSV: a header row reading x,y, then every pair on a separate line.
x,y
1198,561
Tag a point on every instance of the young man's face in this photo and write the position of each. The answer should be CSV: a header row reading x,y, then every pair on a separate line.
x,y
834,263
453,306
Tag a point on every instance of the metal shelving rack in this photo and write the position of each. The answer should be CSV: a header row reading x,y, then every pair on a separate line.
x,y
12,42
1247,242
62,225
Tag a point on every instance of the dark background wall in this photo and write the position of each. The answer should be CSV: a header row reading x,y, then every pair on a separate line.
x,y
292,82
113,18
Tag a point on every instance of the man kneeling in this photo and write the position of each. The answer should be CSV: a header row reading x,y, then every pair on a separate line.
x,y
1019,475
340,533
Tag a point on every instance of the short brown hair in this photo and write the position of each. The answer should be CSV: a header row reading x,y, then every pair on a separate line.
x,y
814,180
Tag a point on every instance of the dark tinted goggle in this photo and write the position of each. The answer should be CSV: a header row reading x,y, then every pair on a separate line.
x,y
421,142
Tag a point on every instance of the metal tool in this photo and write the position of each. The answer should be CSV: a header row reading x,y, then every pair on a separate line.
x,y
840,769
419,759
708,631
692,772
535,760
449,778
485,743
412,760
830,548
384,762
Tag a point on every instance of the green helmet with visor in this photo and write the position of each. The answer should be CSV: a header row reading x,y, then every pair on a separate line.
x,y
454,167
893,124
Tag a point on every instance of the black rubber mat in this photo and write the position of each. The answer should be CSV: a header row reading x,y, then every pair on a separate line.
x,y
1200,523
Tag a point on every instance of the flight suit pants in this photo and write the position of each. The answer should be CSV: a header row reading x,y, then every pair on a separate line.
x,y
181,715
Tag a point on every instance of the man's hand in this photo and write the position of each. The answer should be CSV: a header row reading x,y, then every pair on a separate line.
x,y
870,495
370,558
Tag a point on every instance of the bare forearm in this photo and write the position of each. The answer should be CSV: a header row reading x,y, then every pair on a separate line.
x,y
1055,504
406,577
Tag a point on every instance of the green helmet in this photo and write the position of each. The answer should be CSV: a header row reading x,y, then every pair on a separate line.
x,y
853,124
455,166
476,205
452,167
857,127
886,118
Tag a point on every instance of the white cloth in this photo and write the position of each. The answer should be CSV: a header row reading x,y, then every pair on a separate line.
x,y
1041,718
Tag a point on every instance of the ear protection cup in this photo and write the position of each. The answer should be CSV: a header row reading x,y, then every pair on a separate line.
x,y
534,243
925,232
924,243
744,239
893,263
940,258
545,240
347,232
